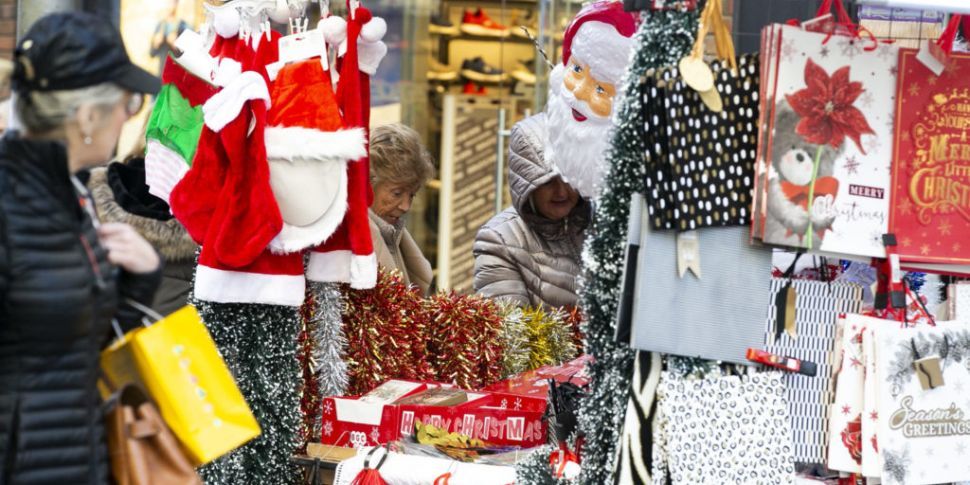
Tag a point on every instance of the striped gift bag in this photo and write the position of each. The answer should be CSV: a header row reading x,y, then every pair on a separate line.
x,y
817,309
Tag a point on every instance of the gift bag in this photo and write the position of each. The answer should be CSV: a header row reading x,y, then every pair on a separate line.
x,y
700,168
810,337
924,430
853,413
727,429
827,142
711,317
176,360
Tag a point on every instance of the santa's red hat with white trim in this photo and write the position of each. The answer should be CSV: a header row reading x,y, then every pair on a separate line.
x,y
308,148
601,37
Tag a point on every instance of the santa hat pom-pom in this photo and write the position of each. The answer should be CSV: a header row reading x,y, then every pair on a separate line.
x,y
334,29
280,14
374,30
226,22
363,16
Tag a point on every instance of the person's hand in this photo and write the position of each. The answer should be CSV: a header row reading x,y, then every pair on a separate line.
x,y
127,249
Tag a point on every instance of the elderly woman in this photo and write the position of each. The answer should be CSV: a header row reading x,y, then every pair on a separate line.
x,y
529,254
63,276
400,165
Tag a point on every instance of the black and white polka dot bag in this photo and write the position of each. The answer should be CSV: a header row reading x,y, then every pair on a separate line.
x,y
700,163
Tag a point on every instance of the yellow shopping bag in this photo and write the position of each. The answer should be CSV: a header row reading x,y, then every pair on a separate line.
x,y
176,360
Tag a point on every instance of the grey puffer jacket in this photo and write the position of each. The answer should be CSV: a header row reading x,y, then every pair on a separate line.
x,y
521,256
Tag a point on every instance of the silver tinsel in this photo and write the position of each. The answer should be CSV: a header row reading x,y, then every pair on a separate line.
x,y
329,342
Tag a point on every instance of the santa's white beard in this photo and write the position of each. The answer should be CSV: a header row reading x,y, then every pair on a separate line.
x,y
576,148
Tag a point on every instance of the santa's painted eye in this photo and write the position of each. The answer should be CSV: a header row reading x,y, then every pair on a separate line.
x,y
600,90
577,68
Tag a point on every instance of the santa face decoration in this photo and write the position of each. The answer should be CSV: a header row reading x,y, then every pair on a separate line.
x,y
582,89
587,90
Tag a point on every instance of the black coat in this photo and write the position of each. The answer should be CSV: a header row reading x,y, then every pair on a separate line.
x,y
58,294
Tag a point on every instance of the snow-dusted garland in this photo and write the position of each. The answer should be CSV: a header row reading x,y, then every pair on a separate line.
x,y
662,39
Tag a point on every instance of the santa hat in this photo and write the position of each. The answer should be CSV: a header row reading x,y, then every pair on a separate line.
x,y
601,36
308,148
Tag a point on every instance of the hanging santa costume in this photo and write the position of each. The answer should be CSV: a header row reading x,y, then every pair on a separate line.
x,y
348,256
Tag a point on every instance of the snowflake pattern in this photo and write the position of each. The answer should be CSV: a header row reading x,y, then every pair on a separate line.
x,y
873,415
505,404
850,48
788,49
885,52
945,228
327,408
327,428
855,362
824,53
852,165
846,410
518,403
867,99
375,434
872,144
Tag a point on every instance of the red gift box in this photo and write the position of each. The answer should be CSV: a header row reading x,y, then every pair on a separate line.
x,y
499,419
535,383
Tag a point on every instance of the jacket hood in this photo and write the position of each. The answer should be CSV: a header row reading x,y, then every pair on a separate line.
x,y
168,236
528,170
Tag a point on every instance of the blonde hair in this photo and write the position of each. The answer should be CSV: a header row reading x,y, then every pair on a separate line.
x,y
46,112
398,157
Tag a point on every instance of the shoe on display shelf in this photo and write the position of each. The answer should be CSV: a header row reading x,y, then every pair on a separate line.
x,y
477,70
525,20
525,72
479,23
442,26
440,72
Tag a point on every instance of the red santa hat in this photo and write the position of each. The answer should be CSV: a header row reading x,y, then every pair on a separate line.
x,y
601,36
308,148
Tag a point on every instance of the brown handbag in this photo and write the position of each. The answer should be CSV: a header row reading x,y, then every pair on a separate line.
x,y
141,447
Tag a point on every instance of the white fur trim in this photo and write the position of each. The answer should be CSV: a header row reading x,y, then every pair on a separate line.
x,y
604,50
297,143
297,238
363,271
164,169
329,267
227,71
370,55
221,286
374,30
225,106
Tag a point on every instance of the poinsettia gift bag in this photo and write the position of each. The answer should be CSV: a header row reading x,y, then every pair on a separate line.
x,y
827,150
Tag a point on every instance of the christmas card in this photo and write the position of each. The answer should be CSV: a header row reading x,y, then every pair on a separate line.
x,y
830,128
931,169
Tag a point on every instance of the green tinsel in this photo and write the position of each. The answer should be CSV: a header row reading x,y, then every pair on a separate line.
x,y
534,469
259,344
662,39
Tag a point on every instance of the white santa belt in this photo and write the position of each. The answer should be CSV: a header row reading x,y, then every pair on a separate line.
x,y
224,286
343,266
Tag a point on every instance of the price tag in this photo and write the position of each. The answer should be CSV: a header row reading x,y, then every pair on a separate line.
x,y
305,45
929,372
688,253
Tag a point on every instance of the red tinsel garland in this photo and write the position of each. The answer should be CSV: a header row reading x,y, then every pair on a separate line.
x,y
465,348
575,319
309,393
387,334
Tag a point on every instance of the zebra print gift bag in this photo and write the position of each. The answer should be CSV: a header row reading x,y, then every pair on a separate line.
x,y
810,337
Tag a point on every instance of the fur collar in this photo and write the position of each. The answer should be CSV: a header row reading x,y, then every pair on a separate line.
x,y
168,237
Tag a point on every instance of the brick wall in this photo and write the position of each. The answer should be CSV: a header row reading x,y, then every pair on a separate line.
x,y
8,27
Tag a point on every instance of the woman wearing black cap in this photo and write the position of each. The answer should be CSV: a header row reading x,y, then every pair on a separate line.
x,y
63,276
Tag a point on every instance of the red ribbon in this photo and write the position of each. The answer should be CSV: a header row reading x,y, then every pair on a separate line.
x,y
945,42
559,458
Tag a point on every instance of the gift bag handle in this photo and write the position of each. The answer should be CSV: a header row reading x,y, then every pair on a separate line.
x,y
841,13
149,313
713,21
949,35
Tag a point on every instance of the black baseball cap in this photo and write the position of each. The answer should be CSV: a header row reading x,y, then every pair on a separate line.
x,y
72,50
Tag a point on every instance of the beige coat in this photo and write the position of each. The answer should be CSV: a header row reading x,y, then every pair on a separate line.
x,y
521,256
397,250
